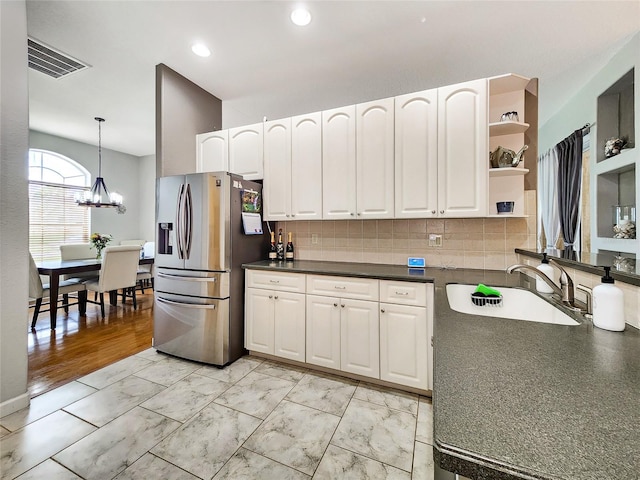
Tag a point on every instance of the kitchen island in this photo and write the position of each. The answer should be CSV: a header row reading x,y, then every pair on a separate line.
x,y
522,400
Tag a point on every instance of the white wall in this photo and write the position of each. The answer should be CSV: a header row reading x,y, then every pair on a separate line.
x,y
120,172
147,197
14,125
581,108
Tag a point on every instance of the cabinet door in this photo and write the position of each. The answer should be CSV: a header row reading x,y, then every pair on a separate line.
x,y
359,339
323,331
289,320
306,167
259,320
374,159
245,151
416,148
339,163
277,169
463,155
212,151
403,345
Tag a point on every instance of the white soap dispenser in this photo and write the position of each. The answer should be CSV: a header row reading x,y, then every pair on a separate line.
x,y
608,304
544,267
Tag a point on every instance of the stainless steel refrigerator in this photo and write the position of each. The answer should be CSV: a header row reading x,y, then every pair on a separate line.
x,y
201,244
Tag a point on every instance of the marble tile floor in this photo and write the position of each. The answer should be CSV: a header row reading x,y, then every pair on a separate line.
x,y
152,416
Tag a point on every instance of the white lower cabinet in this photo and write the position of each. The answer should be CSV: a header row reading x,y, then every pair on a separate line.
x,y
343,334
323,331
275,323
373,328
404,345
359,337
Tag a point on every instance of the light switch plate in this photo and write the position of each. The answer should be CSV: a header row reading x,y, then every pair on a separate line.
x,y
415,262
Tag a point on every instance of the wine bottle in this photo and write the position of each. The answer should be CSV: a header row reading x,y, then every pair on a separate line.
x,y
280,247
289,253
272,249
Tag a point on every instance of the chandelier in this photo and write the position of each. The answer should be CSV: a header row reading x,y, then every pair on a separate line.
x,y
99,195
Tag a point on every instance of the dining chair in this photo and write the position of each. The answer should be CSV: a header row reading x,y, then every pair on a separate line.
x,y
146,272
38,291
118,271
78,251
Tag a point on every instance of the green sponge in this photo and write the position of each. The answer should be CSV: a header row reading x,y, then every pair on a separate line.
x,y
488,291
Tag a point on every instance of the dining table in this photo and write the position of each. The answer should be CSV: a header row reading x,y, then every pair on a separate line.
x,y
56,268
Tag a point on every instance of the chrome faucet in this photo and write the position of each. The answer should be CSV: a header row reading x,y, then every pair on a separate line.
x,y
565,291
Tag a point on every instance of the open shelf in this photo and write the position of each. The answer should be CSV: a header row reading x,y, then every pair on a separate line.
x,y
615,115
509,82
507,171
507,128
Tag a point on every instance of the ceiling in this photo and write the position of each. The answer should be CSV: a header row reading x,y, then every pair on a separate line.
x,y
264,66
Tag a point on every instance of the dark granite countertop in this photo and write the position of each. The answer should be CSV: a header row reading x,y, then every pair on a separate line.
x,y
523,400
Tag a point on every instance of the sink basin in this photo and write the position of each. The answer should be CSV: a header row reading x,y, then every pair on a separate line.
x,y
517,304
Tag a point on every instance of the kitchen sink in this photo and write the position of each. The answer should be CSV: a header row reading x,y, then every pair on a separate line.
x,y
517,304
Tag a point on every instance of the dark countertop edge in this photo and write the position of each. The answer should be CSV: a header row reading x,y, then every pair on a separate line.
x,y
345,269
631,279
471,465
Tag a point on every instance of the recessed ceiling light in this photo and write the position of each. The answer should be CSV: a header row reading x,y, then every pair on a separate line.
x,y
200,49
301,17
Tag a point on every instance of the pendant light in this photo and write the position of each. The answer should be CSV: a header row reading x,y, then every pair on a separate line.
x,y
99,191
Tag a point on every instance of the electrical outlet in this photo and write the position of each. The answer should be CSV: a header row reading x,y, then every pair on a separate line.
x,y
435,240
314,238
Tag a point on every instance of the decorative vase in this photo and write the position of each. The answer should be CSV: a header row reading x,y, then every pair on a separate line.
x,y
99,255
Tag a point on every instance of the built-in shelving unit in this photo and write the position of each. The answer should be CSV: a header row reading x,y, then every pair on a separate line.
x,y
507,94
615,178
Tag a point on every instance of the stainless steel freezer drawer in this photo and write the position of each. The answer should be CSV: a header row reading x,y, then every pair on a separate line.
x,y
192,328
192,282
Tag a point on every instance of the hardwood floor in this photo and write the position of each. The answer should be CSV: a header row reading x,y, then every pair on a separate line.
x,y
81,345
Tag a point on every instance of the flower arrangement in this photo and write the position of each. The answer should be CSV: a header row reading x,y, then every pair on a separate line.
x,y
99,241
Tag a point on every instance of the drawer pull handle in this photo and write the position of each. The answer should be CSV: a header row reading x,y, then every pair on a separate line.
x,y
402,293
339,288
274,281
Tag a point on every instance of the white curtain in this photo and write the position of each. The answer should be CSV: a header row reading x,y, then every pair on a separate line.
x,y
548,216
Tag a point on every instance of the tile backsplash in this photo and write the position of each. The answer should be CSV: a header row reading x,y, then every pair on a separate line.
x,y
483,243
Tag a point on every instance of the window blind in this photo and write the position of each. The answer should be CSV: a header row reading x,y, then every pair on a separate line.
x,y
54,219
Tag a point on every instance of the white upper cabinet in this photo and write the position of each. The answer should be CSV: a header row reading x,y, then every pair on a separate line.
x,y
339,163
374,159
306,167
416,155
277,169
246,151
463,171
212,151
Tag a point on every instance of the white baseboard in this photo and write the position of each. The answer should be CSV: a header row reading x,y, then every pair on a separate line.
x,y
14,404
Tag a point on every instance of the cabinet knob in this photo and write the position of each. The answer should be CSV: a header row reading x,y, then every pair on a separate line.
x,y
342,306
441,211
382,310
270,296
358,213
433,211
276,297
287,215
335,304
293,214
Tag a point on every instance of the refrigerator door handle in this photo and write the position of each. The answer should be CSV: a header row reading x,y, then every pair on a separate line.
x,y
188,233
186,305
179,227
185,279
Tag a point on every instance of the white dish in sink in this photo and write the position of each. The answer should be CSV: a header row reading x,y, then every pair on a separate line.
x,y
517,304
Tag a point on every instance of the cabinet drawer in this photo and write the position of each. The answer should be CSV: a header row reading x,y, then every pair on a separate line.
x,y
344,287
287,282
405,293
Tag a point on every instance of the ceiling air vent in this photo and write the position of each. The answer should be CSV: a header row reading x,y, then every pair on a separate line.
x,y
50,61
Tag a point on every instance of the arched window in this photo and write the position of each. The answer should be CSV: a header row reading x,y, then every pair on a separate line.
x,y
54,217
